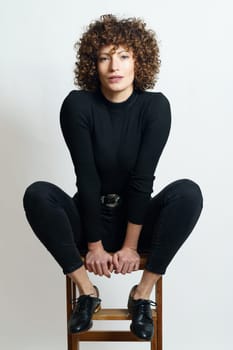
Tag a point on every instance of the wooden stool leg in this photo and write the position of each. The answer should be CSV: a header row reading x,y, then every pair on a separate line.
x,y
154,340
68,309
159,301
70,294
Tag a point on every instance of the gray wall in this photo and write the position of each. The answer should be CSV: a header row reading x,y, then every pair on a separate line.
x,y
37,59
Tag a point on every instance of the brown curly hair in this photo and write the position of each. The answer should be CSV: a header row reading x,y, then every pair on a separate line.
x,y
109,30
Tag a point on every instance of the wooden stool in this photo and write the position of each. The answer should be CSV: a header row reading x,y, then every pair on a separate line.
x,y
115,314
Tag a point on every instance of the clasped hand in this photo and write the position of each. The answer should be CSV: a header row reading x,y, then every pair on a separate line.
x,y
102,263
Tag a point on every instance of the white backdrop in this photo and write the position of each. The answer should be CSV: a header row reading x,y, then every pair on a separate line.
x,y
37,59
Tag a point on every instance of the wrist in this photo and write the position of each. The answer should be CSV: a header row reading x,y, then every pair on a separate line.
x,y
95,245
125,246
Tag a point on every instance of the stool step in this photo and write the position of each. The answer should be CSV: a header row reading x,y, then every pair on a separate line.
x,y
107,336
115,314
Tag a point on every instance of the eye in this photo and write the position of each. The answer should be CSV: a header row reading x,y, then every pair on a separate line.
x,y
124,57
103,59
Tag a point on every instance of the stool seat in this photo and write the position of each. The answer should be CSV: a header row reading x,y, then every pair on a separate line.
x,y
115,314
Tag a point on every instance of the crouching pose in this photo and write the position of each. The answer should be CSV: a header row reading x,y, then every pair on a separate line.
x,y
115,131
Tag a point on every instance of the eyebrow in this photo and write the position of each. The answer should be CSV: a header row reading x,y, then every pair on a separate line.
x,y
107,53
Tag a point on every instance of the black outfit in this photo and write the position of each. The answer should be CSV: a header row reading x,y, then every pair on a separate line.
x,y
115,148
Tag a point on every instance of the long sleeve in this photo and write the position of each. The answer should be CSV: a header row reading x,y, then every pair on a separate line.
x,y
155,135
76,128
115,148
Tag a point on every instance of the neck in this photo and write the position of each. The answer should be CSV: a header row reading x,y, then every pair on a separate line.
x,y
117,96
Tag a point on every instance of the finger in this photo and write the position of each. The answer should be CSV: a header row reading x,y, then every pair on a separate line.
x,y
87,266
89,269
92,268
120,266
115,261
110,258
105,270
137,265
110,267
131,267
118,270
98,268
125,268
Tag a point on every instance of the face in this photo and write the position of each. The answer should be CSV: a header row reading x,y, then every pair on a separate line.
x,y
116,70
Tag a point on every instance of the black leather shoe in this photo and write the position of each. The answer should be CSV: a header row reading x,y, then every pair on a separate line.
x,y
83,309
142,322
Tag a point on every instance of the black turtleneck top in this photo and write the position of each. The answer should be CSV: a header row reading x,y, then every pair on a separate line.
x,y
115,148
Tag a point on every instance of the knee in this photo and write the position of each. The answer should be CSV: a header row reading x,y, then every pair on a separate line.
x,y
34,193
191,191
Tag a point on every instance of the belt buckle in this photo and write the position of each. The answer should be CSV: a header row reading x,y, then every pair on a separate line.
x,y
110,200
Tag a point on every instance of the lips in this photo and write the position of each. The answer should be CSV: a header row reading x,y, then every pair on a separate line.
x,y
115,78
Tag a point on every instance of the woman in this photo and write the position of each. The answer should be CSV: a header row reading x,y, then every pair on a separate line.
x,y
115,132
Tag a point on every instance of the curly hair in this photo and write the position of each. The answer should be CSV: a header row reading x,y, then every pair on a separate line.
x,y
109,30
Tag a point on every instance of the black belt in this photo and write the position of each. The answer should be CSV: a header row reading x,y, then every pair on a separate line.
x,y
110,200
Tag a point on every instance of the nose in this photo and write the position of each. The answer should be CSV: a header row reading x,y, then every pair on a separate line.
x,y
114,65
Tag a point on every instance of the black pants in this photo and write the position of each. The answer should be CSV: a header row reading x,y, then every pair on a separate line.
x,y
55,219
